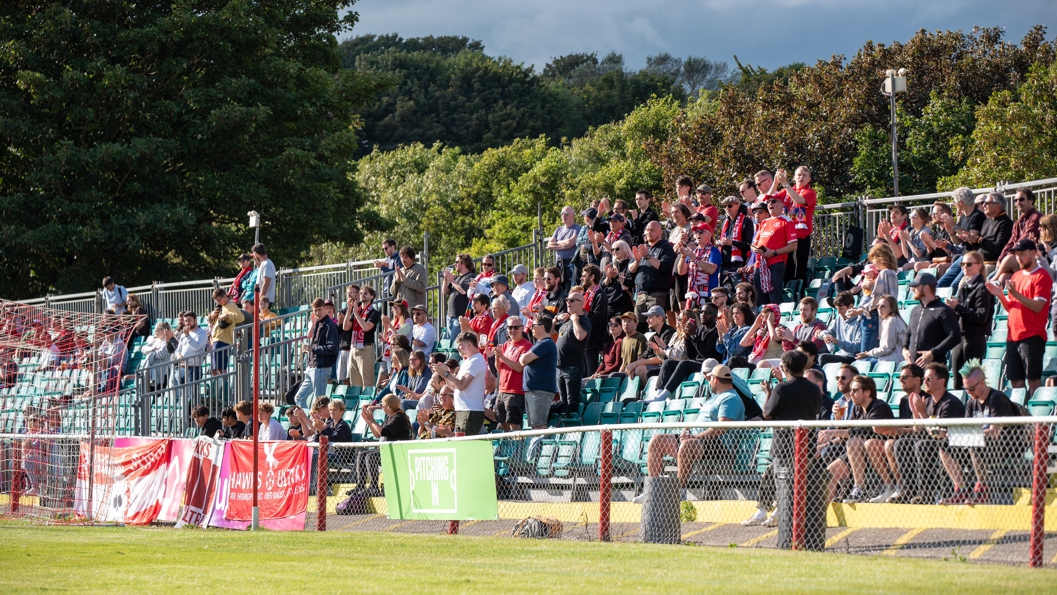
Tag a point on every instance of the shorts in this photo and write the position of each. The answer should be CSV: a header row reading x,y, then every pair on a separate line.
x,y
342,373
1024,359
469,422
538,406
832,451
510,408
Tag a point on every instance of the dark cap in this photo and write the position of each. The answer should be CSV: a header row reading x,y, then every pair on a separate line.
x,y
590,213
924,279
730,200
617,217
759,205
328,303
1025,245
420,308
243,257
502,280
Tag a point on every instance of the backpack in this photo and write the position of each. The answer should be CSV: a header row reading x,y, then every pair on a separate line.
x,y
355,503
538,528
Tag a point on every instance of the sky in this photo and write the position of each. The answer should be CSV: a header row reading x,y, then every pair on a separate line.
x,y
768,33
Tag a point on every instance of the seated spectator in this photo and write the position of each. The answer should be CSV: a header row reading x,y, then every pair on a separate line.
x,y
395,428
233,428
1001,443
649,364
418,377
135,308
715,445
809,329
302,426
688,349
720,298
294,416
115,296
209,427
864,445
439,422
764,339
335,428
190,346
266,314
916,241
894,333
398,374
910,379
917,453
244,412
843,340
733,324
611,349
745,294
270,428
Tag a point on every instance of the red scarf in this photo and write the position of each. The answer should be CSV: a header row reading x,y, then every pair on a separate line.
x,y
895,231
496,326
759,347
357,330
756,259
697,277
537,297
735,252
589,297
472,294
236,288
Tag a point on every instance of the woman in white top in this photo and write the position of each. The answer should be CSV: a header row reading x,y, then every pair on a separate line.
x,y
894,333
886,283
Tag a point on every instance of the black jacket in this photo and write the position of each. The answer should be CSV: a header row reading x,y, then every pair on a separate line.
x,y
933,327
638,225
976,308
323,345
994,236
656,280
599,317
703,345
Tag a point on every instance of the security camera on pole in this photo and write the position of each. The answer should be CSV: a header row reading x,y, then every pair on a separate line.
x,y
255,222
895,82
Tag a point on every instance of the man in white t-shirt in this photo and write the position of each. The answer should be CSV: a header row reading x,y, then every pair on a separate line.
x,y
265,272
469,385
523,288
116,296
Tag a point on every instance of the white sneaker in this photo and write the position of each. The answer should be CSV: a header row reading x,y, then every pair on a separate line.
x,y
758,518
855,496
884,496
772,519
639,499
659,395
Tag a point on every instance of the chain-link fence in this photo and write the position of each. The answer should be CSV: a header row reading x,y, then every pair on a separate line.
x,y
947,489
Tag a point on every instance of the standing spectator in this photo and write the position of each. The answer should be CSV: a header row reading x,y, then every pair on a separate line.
x,y
222,334
680,237
423,335
468,385
392,258
917,453
707,212
700,261
652,266
997,229
586,244
481,322
510,406
524,289
409,279
538,365
597,310
602,244
800,201
641,217
775,240
322,350
501,291
572,345
242,287
363,324
115,296
265,273
352,296
619,284
737,231
1026,227
135,308
1030,291
207,426
844,335
553,302
934,330
809,329
894,333
1001,443
192,341
270,428
457,290
482,283
975,307
864,445
156,352
563,244
610,349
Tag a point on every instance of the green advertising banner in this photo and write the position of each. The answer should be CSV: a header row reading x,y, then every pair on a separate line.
x,y
445,481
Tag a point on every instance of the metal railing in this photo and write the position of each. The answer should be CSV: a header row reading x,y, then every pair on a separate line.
x,y
831,224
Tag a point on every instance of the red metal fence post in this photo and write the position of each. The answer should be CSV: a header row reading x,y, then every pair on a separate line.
x,y
322,483
605,482
16,477
799,486
1038,495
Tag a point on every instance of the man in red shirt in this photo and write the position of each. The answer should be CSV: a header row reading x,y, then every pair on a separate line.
x,y
1028,304
510,405
774,241
800,202
706,209
481,322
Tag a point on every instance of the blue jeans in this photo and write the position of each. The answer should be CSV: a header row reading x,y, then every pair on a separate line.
x,y
952,276
453,326
314,384
869,334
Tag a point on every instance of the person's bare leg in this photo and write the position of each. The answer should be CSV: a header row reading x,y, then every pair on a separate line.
x,y
661,445
857,460
979,466
1033,385
875,451
890,454
690,452
954,470
838,472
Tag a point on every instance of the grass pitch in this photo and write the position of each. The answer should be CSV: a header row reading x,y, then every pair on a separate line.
x,y
161,560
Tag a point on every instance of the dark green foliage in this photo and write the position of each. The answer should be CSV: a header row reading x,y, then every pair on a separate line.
x,y
137,136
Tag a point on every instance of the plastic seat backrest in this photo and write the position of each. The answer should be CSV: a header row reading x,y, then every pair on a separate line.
x,y
687,390
592,414
656,406
630,390
1045,393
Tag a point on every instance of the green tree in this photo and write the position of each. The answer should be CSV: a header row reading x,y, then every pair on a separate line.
x,y
137,136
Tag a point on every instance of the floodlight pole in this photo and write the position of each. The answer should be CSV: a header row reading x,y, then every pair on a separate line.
x,y
895,134
255,522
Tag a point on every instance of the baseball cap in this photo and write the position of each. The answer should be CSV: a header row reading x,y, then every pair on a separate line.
x,y
419,308
655,311
701,227
721,372
590,213
705,188
759,205
519,270
328,303
980,199
1025,245
244,257
924,279
502,280
710,364
730,200
630,316
617,217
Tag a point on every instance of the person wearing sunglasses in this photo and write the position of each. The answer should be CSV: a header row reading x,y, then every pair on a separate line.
x,y
1026,227
510,406
995,231
975,308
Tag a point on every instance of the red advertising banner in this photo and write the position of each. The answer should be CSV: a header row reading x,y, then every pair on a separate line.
x,y
282,480
128,482
201,482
